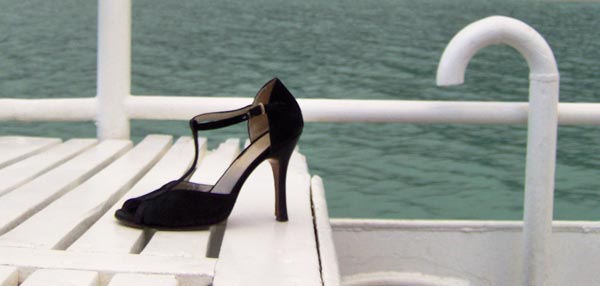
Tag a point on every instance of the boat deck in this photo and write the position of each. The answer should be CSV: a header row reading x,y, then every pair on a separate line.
x,y
57,201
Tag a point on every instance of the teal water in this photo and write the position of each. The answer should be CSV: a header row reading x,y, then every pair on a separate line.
x,y
379,49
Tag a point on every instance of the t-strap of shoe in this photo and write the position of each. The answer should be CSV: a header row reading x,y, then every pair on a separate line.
x,y
216,120
274,128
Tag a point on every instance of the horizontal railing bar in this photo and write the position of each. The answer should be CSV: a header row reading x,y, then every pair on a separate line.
x,y
368,110
314,110
56,109
179,107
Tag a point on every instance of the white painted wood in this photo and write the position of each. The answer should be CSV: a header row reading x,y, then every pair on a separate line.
x,y
178,243
24,201
9,276
194,243
57,277
106,235
65,219
187,271
143,280
17,174
330,272
258,250
15,148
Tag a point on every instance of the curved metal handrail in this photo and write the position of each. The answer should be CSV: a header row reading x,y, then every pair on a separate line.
x,y
542,124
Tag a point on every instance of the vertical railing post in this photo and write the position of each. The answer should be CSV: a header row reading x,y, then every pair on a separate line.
x,y
114,68
542,125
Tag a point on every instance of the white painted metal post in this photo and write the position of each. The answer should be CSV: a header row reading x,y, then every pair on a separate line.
x,y
542,124
114,68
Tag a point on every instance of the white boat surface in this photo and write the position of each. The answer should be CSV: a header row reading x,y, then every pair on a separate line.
x,y
57,198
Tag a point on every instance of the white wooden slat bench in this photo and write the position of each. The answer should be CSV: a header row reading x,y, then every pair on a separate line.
x,y
16,174
57,225
14,148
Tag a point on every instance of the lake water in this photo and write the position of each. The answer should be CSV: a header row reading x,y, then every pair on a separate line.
x,y
362,49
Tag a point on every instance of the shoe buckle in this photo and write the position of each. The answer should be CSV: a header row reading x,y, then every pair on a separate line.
x,y
251,113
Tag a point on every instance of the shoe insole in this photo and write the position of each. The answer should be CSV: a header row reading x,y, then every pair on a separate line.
x,y
240,166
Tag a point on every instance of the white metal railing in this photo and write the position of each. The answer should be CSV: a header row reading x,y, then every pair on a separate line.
x,y
114,106
114,68
313,110
541,129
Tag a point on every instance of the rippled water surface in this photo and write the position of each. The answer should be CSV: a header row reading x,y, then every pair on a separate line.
x,y
380,49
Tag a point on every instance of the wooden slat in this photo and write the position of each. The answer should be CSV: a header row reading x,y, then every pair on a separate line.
x,y
330,271
178,243
15,148
194,243
18,173
9,276
55,277
24,201
106,235
188,271
258,250
213,165
143,280
64,220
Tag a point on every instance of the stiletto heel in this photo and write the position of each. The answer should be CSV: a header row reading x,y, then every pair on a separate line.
x,y
279,164
274,126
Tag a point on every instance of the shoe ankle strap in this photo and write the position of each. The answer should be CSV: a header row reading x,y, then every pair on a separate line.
x,y
216,120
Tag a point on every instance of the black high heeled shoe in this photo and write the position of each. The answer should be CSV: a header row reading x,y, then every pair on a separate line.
x,y
274,126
